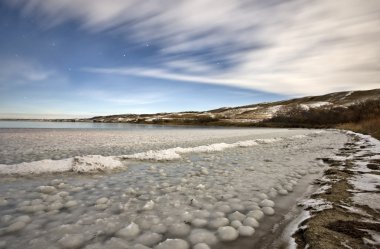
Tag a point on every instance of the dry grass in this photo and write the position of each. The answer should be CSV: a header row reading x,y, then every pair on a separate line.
x,y
369,126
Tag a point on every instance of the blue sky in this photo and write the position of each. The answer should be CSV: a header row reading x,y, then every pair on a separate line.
x,y
87,57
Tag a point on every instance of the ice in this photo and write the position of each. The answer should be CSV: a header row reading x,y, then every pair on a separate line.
x,y
236,216
266,203
257,214
201,246
72,241
252,222
268,211
179,230
143,203
219,222
227,233
202,236
14,227
246,231
149,238
173,243
129,232
84,164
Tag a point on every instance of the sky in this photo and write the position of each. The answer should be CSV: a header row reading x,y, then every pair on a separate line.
x,y
81,58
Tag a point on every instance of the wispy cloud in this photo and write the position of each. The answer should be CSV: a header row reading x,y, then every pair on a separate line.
x,y
288,47
23,71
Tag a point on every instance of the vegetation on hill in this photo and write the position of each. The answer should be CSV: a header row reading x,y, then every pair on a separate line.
x,y
363,117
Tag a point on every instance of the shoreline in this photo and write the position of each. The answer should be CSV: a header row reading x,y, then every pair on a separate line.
x,y
333,219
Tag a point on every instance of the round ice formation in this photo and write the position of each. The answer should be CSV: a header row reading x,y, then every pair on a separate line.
x,y
6,218
187,217
55,206
268,211
257,214
3,202
283,192
179,230
158,228
272,193
46,189
71,204
149,238
16,226
204,171
236,216
3,244
288,187
102,200
115,243
129,232
252,222
267,203
227,233
217,215
262,196
149,205
71,241
173,243
201,246
202,236
224,208
246,231
236,223
219,222
237,207
199,222
24,218
139,246
201,213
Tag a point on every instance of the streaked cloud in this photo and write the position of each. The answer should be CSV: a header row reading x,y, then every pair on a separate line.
x,y
288,47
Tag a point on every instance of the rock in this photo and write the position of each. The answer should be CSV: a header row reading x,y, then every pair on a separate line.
x,y
246,231
173,244
129,232
202,236
227,233
72,241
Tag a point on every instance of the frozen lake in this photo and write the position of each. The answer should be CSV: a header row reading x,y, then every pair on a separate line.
x,y
151,187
